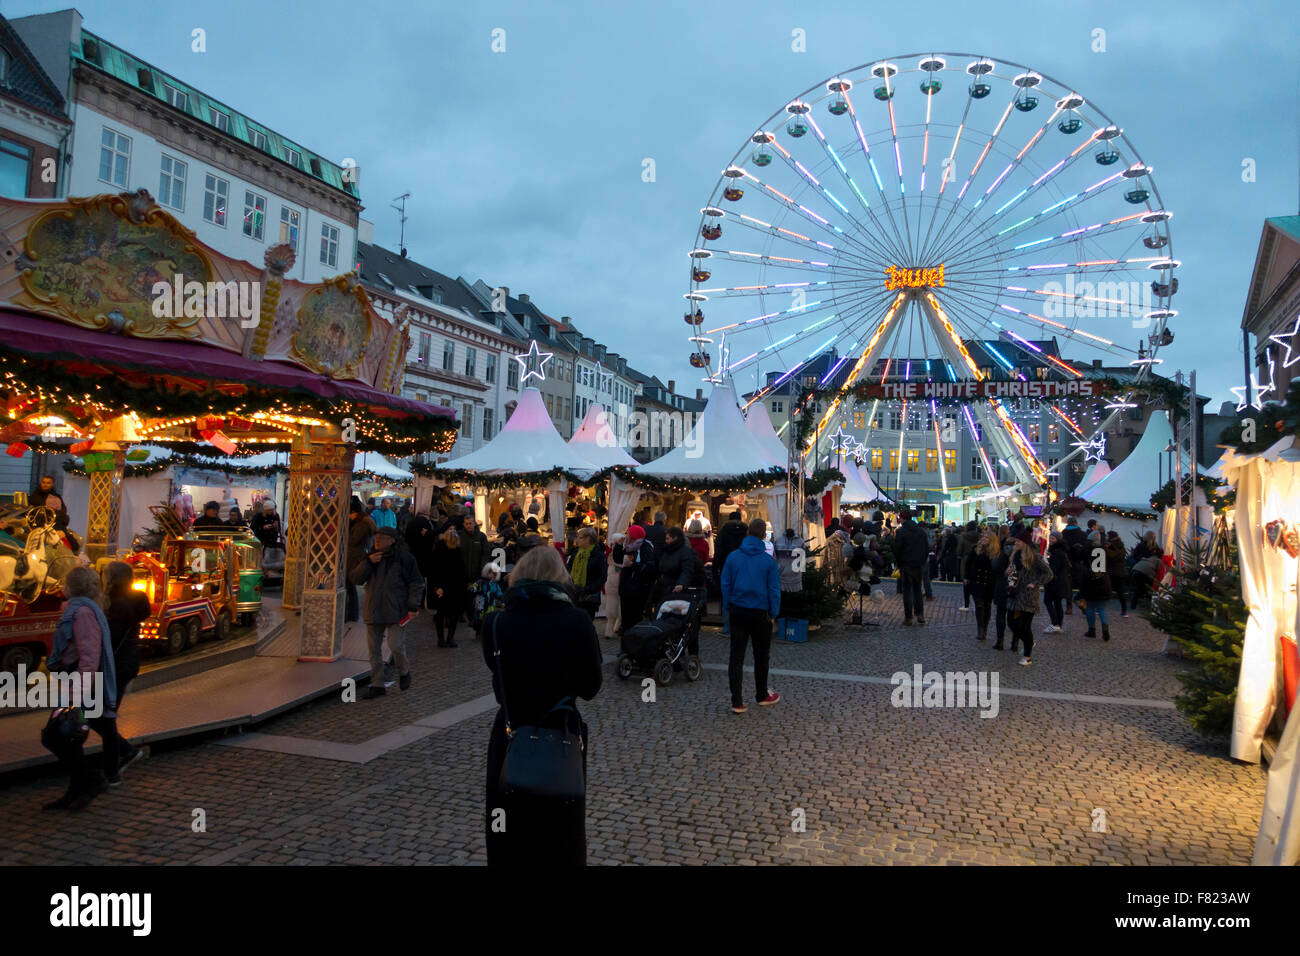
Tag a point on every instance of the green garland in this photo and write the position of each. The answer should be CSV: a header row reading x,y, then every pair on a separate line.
x,y
1164,498
749,481
1271,423
536,479
820,479
155,399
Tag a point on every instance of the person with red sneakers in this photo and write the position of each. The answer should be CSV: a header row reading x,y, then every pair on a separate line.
x,y
751,589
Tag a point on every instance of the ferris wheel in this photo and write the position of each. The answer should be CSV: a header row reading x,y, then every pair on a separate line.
x,y
899,211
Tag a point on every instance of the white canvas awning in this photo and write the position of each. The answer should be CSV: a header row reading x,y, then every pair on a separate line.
x,y
760,427
374,462
528,442
719,447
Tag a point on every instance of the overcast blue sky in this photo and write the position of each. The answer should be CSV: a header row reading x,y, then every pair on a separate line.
x,y
525,167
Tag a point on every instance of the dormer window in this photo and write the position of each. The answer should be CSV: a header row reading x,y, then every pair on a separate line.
x,y
176,97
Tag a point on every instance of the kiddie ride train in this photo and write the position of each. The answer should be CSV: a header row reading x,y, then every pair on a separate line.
x,y
205,580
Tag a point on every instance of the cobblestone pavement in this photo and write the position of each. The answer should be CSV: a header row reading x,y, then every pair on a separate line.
x,y
682,780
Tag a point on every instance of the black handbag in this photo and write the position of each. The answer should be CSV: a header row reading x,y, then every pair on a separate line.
x,y
540,761
65,731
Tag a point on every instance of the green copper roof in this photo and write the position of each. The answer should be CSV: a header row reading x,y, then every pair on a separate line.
x,y
116,62
1288,224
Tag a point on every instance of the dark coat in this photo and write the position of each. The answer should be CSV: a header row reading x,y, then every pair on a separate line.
x,y
269,530
979,574
474,552
678,565
394,585
1095,585
911,546
1116,563
447,571
1000,564
640,576
1058,559
730,535
125,613
597,572
203,521
657,534
420,541
548,651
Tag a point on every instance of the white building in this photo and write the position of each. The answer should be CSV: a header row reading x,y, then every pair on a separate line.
x,y
241,186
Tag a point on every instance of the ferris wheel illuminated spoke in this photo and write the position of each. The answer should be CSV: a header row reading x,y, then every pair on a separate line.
x,y
875,172
803,241
844,305
1031,320
852,235
1060,207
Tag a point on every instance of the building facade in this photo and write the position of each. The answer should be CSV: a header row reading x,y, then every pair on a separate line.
x,y
1273,306
240,185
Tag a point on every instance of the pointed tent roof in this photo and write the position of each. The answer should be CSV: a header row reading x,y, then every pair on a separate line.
x,y
1098,470
595,441
528,442
759,425
377,463
1134,480
869,483
719,446
855,491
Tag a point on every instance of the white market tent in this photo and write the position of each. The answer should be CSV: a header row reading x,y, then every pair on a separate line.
x,y
376,463
855,491
719,448
528,442
760,427
1098,470
595,441
871,489
1134,480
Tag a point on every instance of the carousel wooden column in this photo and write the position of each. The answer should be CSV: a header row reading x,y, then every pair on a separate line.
x,y
320,484
104,509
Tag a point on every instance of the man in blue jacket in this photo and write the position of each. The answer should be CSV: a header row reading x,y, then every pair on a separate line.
x,y
751,591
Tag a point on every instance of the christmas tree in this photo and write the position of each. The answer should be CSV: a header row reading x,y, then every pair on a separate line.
x,y
1206,617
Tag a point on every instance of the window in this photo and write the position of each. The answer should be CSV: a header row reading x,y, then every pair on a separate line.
x,y
932,459
176,97
893,459
974,467
950,461
171,183
448,356
254,215
329,245
1033,434
512,375
422,354
4,65
568,410
487,424
257,138
467,420
1053,434
1135,414
471,357
219,119
978,429
877,456
291,156
15,168
490,367
895,421
550,408
289,227
778,407
114,157
913,459
859,419
215,195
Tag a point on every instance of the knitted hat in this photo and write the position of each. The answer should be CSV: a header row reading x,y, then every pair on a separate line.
x,y
636,532
1025,535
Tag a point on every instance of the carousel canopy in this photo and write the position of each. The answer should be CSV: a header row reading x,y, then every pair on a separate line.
x,y
595,441
1095,473
1134,480
719,448
527,443
760,427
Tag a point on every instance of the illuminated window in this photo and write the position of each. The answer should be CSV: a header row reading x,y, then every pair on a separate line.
x,y
1033,434
289,227
932,459
859,419
950,461
893,459
913,459
876,457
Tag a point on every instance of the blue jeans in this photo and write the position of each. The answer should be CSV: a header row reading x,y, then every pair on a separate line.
x,y
1094,610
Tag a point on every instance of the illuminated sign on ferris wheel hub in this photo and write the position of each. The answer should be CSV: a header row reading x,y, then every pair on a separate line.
x,y
896,278
887,391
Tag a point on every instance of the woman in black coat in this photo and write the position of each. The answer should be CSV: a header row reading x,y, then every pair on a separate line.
x,y
127,609
1000,565
450,584
980,581
1059,588
541,650
421,539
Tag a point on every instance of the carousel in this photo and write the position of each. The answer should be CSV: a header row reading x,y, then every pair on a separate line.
x,y
125,340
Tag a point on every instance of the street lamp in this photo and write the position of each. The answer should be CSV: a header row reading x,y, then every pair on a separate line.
x,y
1168,450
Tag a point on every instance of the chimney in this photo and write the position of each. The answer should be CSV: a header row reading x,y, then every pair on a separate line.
x,y
1096,363
672,385
523,297
699,394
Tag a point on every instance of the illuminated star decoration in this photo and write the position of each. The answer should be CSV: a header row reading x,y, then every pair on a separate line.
x,y
1257,402
841,441
1093,449
533,362
1286,340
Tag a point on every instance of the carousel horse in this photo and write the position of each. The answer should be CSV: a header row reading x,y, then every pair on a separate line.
x,y
34,554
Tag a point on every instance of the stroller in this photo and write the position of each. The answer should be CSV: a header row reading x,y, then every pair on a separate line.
x,y
668,643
